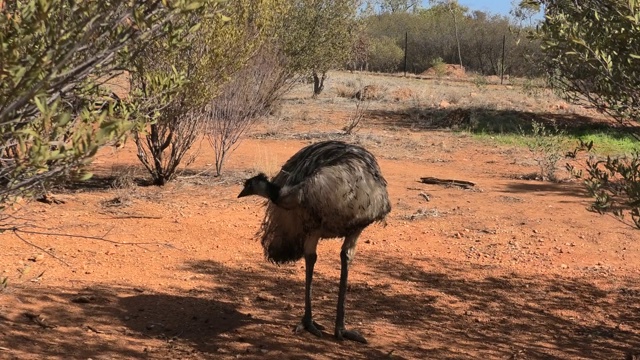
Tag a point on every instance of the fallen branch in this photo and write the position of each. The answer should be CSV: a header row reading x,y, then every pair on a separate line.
x,y
448,182
131,216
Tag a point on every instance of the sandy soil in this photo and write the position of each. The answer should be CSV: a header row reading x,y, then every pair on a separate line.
x,y
512,269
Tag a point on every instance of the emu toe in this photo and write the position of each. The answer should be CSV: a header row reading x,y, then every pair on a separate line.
x,y
311,326
342,334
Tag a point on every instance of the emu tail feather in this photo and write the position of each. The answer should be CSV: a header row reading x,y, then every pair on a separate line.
x,y
283,235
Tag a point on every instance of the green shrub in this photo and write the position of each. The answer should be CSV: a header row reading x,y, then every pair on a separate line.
x,y
385,55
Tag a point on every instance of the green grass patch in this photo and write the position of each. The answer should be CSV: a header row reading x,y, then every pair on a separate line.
x,y
527,129
604,142
522,130
507,139
607,143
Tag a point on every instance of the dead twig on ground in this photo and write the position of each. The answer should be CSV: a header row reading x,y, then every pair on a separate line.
x,y
17,231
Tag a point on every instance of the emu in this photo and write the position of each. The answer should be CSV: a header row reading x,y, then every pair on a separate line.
x,y
329,189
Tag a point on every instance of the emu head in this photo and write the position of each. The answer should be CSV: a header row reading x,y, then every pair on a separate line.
x,y
257,185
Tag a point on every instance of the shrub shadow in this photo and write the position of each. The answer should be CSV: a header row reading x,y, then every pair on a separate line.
x,y
485,120
408,308
542,188
510,315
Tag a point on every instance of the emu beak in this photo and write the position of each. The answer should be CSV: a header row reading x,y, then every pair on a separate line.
x,y
244,192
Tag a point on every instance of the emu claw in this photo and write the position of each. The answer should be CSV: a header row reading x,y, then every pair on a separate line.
x,y
311,326
342,334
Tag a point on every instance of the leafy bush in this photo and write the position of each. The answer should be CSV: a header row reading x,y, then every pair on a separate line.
x,y
163,147
546,144
173,85
431,32
384,55
55,57
317,36
592,50
480,82
614,183
438,65
345,90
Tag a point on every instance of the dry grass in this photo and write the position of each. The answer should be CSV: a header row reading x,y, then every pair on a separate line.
x,y
352,89
470,91
275,125
372,92
123,186
345,91
406,106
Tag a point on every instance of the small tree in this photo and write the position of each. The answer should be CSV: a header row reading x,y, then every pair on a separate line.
x,y
455,10
355,119
164,147
166,127
524,10
223,45
246,98
317,35
393,6
54,56
546,143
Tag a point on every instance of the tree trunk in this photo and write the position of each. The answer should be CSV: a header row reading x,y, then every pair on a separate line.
x,y
455,25
156,143
159,180
318,83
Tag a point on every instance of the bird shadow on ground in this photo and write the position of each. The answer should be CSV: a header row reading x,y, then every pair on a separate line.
x,y
231,318
443,314
408,308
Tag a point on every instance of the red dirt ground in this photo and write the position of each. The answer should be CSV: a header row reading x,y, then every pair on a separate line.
x,y
513,269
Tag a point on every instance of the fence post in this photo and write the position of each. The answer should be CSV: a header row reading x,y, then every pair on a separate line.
x,y
406,35
504,40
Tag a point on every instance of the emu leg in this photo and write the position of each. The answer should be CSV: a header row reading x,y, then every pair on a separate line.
x,y
309,261
346,256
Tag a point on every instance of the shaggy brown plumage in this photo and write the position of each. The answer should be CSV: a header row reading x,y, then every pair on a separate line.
x,y
340,190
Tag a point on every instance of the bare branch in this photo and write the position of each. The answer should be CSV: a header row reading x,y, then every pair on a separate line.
x,y
244,101
16,233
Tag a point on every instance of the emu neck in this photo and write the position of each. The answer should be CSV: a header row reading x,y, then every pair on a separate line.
x,y
284,197
272,192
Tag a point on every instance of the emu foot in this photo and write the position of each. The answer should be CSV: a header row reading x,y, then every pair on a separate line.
x,y
311,326
342,334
